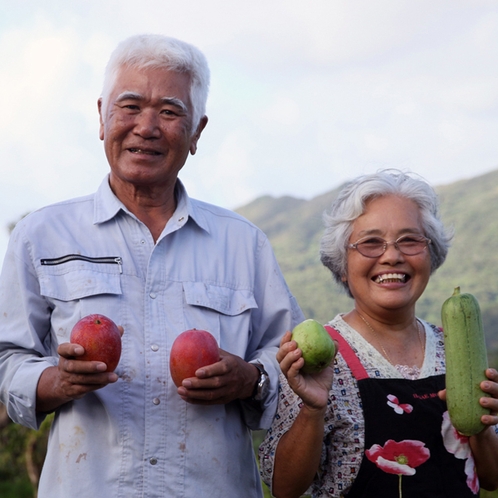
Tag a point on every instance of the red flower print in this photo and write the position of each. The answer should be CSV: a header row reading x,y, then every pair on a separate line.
x,y
458,445
399,458
398,408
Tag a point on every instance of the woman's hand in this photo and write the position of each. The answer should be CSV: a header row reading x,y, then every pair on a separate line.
x,y
313,389
485,444
490,402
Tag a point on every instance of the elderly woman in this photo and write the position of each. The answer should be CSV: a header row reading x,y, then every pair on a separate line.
x,y
375,423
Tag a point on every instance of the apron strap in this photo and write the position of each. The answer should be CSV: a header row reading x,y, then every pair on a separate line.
x,y
353,362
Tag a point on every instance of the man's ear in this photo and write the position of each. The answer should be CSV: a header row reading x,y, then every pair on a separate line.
x,y
197,134
101,129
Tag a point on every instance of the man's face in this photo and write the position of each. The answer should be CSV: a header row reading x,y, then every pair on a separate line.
x,y
147,127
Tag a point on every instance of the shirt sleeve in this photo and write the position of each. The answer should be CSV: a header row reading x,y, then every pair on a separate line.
x,y
277,312
24,334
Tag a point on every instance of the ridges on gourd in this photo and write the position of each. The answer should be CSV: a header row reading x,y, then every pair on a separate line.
x,y
466,361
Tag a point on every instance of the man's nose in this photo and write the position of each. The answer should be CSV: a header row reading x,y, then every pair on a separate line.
x,y
147,124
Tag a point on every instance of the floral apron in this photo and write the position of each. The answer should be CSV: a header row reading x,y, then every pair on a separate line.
x,y
411,448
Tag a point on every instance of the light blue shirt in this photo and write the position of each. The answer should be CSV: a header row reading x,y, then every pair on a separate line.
x,y
210,269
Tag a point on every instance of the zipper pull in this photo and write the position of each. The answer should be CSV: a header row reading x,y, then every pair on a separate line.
x,y
119,261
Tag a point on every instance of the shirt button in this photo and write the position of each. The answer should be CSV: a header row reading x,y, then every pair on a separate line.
x,y
154,347
142,241
153,295
156,401
153,461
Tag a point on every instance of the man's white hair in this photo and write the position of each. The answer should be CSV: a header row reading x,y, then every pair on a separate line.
x,y
157,51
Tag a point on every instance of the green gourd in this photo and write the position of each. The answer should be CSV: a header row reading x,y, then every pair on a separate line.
x,y
466,361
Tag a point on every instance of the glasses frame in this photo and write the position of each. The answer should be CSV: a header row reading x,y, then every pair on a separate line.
x,y
354,245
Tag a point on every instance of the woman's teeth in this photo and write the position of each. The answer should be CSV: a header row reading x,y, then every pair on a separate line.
x,y
390,278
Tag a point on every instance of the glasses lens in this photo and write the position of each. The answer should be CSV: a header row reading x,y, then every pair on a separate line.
x,y
411,244
371,247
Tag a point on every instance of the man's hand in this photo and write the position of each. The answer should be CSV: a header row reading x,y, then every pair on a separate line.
x,y
224,381
71,378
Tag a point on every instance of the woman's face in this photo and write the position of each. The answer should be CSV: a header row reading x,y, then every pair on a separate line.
x,y
393,281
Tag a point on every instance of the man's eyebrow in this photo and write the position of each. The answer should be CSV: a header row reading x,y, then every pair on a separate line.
x,y
175,101
129,95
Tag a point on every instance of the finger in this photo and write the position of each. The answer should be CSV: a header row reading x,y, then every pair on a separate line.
x,y
100,380
74,366
70,350
285,349
203,396
209,383
295,368
221,367
293,359
492,374
285,338
490,386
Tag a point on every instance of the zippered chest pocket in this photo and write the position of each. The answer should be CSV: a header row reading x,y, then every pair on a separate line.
x,y
75,276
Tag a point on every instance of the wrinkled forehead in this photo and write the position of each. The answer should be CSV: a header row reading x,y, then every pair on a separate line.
x,y
124,76
161,83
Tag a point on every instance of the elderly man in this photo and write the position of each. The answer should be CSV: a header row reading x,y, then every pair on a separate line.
x,y
157,262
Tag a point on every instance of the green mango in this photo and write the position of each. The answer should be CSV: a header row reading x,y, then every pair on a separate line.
x,y
317,346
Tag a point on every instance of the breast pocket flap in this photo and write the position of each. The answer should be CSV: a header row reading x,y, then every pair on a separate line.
x,y
224,300
79,284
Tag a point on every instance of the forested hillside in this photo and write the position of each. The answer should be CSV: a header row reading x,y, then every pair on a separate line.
x,y
294,227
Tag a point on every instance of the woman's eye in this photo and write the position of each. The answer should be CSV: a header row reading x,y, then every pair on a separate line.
x,y
372,242
409,239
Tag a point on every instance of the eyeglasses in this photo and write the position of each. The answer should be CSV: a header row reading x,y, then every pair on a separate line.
x,y
373,247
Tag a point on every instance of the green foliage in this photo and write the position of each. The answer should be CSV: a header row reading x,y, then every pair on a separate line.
x,y
21,449
12,456
16,488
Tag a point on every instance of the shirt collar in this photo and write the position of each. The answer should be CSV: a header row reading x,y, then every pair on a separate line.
x,y
107,206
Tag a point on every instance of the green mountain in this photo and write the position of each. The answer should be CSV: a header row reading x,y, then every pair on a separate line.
x,y
294,227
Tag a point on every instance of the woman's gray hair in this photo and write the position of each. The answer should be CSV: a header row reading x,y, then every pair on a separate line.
x,y
350,204
157,51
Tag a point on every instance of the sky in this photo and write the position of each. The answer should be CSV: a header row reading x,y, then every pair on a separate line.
x,y
304,94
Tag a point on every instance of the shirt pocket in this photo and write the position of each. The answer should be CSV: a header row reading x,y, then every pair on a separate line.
x,y
211,307
76,277
75,287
